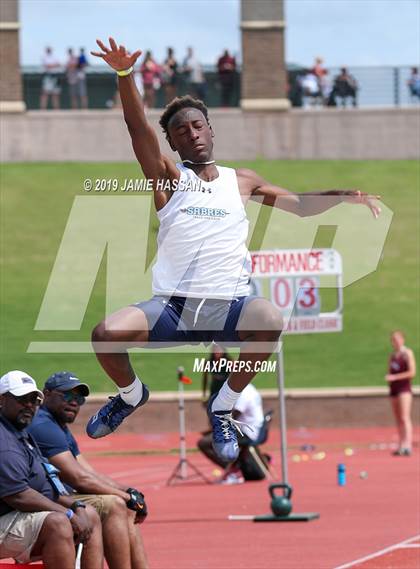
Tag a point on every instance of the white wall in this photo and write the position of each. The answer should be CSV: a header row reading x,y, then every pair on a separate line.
x,y
305,134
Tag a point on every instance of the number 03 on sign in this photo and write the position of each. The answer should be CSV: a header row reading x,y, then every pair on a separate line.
x,y
295,280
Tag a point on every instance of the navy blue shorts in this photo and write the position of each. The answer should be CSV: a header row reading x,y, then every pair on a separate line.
x,y
179,320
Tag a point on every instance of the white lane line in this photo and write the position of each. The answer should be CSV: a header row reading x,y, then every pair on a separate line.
x,y
378,553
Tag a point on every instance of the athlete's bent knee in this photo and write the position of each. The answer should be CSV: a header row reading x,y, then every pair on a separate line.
x,y
101,334
271,323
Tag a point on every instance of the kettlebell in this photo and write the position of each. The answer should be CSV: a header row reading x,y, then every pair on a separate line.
x,y
280,505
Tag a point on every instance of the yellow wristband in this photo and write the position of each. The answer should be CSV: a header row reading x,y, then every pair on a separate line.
x,y
125,72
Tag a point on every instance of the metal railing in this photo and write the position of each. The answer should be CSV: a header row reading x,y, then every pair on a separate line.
x,y
379,86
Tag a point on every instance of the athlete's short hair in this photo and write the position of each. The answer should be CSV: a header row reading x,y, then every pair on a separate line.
x,y
179,103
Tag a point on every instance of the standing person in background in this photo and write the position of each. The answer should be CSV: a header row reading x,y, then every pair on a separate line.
x,y
170,75
402,370
413,84
150,72
226,67
194,75
50,81
318,68
321,74
221,358
71,76
345,86
311,94
81,79
327,88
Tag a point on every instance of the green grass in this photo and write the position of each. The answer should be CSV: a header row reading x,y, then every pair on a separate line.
x,y
35,203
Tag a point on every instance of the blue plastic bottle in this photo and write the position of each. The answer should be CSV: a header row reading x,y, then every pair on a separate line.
x,y
341,474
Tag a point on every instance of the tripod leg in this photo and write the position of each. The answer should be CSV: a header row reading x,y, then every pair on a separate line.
x,y
178,472
256,456
198,472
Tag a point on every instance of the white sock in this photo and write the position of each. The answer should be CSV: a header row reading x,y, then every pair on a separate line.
x,y
225,399
132,393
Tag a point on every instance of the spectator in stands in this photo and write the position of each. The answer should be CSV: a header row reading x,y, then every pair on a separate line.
x,y
38,521
345,87
318,69
327,88
81,79
401,372
151,75
170,75
138,80
226,67
72,78
194,75
414,83
64,394
295,88
115,102
321,74
311,93
50,86
249,410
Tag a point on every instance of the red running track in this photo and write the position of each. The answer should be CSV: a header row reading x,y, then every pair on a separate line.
x,y
188,526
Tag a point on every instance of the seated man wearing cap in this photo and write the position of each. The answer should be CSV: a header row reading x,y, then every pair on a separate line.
x,y
38,519
63,396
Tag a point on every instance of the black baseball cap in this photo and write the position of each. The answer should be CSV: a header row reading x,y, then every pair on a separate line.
x,y
65,381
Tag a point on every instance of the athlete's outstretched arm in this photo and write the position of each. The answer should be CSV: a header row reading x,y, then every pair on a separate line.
x,y
305,204
145,142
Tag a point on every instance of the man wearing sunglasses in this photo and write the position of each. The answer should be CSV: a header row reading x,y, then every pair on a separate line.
x,y
38,519
64,394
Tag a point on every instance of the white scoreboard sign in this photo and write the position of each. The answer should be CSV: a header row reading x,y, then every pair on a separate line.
x,y
296,262
294,286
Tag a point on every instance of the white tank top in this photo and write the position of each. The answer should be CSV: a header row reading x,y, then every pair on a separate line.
x,y
202,250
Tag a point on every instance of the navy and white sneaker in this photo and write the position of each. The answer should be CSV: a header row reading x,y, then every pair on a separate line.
x,y
225,440
112,414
